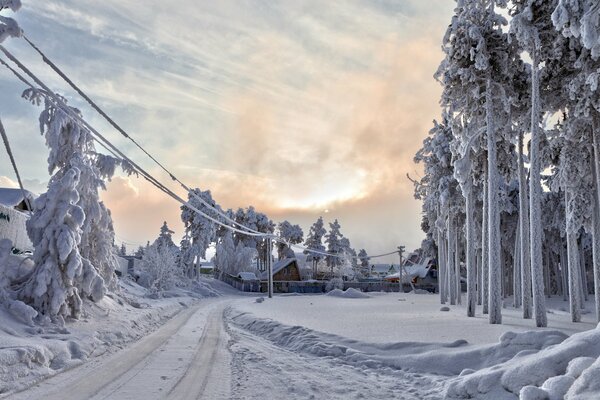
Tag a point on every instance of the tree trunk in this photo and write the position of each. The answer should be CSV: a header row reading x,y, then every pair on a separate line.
x,y
524,235
470,254
484,251
596,228
517,270
535,190
564,272
450,260
574,270
584,285
457,266
441,268
479,291
495,271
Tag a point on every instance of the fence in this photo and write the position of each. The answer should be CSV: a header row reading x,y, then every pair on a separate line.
x,y
317,286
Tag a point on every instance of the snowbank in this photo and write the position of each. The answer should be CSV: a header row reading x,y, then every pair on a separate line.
x,y
569,370
350,293
448,359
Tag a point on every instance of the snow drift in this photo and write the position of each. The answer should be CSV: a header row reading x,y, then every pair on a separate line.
x,y
350,293
448,359
569,370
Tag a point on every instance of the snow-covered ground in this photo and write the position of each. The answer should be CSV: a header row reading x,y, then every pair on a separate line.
x,y
391,317
404,346
29,354
337,346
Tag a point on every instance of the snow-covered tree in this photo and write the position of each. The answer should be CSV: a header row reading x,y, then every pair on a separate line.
x,y
159,265
201,231
8,26
165,238
580,19
314,240
365,266
185,257
292,234
62,277
334,246
233,259
532,26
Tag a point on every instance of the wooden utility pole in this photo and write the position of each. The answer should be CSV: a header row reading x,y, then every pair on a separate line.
x,y
400,252
269,268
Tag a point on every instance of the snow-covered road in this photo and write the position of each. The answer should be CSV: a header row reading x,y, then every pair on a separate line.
x,y
201,354
187,358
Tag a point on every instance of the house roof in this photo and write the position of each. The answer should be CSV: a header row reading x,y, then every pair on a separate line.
x,y
379,268
412,271
11,197
247,276
278,266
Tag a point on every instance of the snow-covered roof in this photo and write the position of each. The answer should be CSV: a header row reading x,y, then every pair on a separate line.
x,y
379,268
247,276
412,271
278,266
11,197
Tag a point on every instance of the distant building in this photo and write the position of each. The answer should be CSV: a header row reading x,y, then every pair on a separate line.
x,y
206,267
14,213
383,270
284,270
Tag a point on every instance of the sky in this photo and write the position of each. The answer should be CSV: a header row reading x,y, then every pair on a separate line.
x,y
300,108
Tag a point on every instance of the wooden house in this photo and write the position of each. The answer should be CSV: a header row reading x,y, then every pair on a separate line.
x,y
284,270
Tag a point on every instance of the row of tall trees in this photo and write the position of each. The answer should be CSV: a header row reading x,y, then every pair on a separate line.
x,y
510,186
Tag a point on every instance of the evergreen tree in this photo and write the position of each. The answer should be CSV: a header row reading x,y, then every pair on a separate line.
x,y
314,241
292,234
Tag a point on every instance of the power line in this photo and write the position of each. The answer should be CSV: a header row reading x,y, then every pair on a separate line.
x,y
14,165
69,112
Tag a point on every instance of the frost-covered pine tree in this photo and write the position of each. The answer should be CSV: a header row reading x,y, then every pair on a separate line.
x,y
186,256
532,26
364,262
8,26
159,264
292,234
231,258
165,237
201,231
579,20
438,189
61,276
314,240
476,74
334,246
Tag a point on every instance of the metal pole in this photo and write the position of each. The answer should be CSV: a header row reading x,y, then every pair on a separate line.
x,y
400,251
269,268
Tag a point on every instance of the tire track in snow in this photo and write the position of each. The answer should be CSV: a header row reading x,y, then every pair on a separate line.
x,y
148,369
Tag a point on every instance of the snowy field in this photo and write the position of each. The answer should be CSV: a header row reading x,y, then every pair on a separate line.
x,y
404,347
390,317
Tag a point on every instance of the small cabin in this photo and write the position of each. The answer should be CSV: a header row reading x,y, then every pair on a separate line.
x,y
284,270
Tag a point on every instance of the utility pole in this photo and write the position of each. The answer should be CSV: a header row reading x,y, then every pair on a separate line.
x,y
269,268
400,251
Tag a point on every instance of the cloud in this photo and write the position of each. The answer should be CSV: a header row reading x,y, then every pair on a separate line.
x,y
294,107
